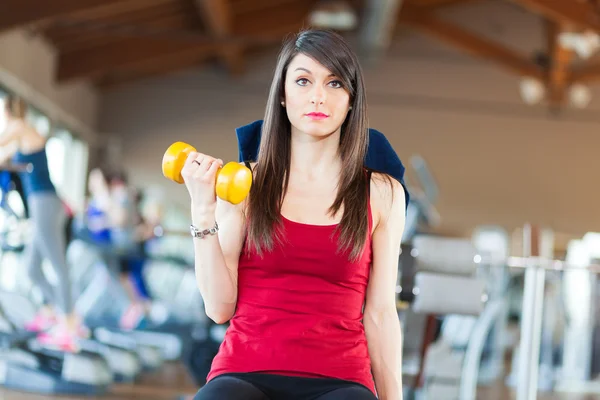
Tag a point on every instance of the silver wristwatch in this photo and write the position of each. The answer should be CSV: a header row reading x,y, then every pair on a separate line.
x,y
197,233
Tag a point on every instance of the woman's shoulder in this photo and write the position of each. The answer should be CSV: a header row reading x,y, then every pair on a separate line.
x,y
387,194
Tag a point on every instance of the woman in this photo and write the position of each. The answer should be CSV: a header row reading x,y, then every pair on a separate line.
x,y
57,323
317,239
107,214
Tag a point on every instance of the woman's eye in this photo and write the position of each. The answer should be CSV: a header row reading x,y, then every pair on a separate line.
x,y
336,84
302,81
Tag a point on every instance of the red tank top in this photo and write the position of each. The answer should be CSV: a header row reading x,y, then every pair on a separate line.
x,y
299,310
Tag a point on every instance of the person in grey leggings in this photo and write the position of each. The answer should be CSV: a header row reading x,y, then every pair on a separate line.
x,y
58,325
48,217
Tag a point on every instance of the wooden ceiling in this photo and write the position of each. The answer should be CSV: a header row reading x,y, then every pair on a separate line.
x,y
113,42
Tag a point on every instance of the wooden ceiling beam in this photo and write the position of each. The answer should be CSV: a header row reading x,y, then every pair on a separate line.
x,y
586,74
96,61
14,13
79,39
437,3
471,43
166,65
559,65
217,17
155,68
253,6
290,15
116,9
62,32
129,52
566,12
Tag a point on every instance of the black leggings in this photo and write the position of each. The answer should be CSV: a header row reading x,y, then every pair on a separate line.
x,y
255,386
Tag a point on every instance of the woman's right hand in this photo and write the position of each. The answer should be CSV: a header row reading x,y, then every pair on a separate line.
x,y
199,174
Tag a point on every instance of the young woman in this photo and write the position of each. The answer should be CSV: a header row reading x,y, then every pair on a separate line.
x,y
305,269
57,323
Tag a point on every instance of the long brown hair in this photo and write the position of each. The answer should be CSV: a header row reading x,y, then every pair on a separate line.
x,y
15,106
273,165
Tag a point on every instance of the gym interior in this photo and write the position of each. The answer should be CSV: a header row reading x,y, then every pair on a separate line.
x,y
491,106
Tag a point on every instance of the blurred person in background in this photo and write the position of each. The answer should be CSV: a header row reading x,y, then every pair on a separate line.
x,y
58,325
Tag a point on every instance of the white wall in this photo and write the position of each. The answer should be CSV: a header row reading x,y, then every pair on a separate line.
x,y
497,160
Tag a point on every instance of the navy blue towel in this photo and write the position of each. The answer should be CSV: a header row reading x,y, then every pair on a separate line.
x,y
380,153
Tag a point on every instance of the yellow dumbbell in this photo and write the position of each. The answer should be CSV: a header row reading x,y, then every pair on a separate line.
x,y
233,180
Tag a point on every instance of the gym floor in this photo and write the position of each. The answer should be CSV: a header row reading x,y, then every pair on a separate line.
x,y
172,381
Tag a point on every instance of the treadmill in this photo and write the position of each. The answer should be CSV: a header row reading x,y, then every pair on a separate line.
x,y
123,365
28,367
24,364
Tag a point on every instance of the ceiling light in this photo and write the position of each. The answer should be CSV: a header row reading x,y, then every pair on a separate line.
x,y
584,44
333,14
580,95
532,90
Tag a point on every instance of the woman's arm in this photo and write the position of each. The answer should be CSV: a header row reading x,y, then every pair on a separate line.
x,y
217,256
382,325
217,259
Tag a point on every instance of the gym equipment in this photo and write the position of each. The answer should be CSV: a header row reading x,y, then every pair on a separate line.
x,y
177,304
26,366
493,246
12,167
420,210
124,364
93,282
534,361
13,212
207,339
578,370
447,284
233,180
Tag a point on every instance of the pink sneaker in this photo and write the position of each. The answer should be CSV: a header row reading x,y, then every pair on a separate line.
x,y
59,338
83,331
41,322
131,318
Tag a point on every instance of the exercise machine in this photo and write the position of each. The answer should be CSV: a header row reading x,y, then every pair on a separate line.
x,y
578,368
448,284
175,297
28,366
24,363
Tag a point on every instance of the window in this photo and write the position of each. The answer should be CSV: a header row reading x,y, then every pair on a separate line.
x,y
67,162
76,174
39,121
2,116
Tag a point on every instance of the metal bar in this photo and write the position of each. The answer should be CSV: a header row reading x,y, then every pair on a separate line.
x,y
531,321
542,263
17,167
472,359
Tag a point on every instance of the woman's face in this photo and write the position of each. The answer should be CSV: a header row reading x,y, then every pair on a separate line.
x,y
315,100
